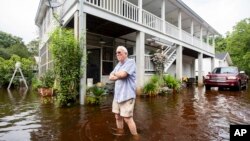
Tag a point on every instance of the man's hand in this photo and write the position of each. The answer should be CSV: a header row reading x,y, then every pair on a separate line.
x,y
112,77
118,75
121,74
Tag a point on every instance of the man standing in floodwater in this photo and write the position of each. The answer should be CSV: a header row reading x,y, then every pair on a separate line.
x,y
124,75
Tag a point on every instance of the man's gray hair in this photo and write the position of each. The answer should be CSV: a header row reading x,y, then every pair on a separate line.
x,y
123,48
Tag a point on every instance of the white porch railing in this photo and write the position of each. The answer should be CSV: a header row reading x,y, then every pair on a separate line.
x,y
120,7
196,42
172,30
152,21
148,63
186,37
130,11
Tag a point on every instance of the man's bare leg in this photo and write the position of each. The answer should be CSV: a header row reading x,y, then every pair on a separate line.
x,y
131,125
119,121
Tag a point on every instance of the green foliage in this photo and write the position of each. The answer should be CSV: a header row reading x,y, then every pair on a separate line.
x,y
18,49
48,79
44,81
237,43
67,58
4,54
36,83
12,45
7,68
95,94
172,82
152,87
155,79
33,47
8,40
220,44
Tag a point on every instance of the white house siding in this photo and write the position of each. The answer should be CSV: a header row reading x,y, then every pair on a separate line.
x,y
207,65
174,26
187,66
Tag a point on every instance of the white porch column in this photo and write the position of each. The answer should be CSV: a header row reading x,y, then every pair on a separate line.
x,y
134,50
213,41
193,69
47,57
76,24
179,25
212,64
140,10
179,62
140,53
201,33
200,69
207,38
40,59
82,40
163,16
192,31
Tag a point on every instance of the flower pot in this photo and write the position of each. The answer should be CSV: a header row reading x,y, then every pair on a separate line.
x,y
45,91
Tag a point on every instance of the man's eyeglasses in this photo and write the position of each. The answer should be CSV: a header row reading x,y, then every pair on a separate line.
x,y
118,52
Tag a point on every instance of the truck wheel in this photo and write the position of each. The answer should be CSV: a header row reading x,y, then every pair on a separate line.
x,y
238,87
207,87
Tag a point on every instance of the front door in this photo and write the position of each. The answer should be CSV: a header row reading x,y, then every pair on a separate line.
x,y
93,64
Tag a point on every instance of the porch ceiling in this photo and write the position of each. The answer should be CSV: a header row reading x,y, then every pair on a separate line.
x,y
192,53
107,28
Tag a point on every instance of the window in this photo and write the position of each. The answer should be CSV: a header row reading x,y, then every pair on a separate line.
x,y
107,60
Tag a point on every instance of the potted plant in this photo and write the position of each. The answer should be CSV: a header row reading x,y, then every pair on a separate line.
x,y
44,84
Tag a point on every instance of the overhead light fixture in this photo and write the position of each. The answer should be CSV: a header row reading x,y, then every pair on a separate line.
x,y
101,41
150,40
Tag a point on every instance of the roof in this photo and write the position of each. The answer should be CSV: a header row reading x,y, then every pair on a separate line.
x,y
224,56
221,55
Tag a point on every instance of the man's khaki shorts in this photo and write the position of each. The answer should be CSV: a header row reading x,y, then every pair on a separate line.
x,y
124,109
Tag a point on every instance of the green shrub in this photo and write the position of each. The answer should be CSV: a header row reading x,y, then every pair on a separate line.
x,y
67,57
44,81
152,87
7,68
95,94
171,82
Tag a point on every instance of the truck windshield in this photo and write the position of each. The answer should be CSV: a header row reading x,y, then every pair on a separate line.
x,y
230,70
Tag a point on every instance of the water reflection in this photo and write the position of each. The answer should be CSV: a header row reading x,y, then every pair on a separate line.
x,y
194,114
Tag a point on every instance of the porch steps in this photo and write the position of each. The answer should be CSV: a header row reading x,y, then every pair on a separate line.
x,y
169,51
171,54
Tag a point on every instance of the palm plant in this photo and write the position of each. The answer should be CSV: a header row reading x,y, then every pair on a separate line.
x,y
95,94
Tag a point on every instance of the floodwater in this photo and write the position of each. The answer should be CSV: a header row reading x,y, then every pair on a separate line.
x,y
194,114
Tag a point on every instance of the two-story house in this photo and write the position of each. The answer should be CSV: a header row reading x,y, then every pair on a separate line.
x,y
143,26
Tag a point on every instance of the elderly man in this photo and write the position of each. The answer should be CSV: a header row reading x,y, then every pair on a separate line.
x,y
124,97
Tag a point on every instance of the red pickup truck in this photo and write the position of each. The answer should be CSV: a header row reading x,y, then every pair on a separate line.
x,y
226,77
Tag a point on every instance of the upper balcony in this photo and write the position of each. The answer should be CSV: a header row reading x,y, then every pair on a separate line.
x,y
178,21
171,18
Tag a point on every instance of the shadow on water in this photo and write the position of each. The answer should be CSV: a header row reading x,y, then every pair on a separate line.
x,y
194,114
